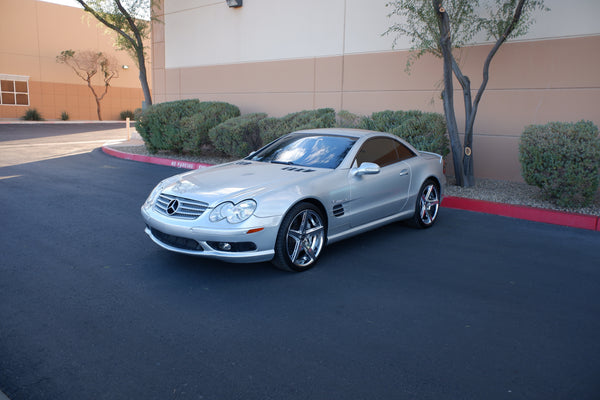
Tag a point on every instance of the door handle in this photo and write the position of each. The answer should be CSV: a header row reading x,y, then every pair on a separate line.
x,y
404,172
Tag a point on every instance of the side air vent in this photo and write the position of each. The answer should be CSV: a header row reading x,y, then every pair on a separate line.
x,y
296,169
338,210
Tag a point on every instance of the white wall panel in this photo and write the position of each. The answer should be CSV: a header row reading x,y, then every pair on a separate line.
x,y
207,32
366,21
567,18
211,33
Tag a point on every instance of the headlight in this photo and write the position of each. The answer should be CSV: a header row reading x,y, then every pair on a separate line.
x,y
234,213
155,193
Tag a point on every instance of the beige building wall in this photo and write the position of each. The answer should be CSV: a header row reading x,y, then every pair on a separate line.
x,y
32,34
533,81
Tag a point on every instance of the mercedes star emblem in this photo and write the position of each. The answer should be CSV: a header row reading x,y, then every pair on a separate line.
x,y
172,207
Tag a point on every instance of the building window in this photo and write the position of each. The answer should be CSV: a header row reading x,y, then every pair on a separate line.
x,y
14,90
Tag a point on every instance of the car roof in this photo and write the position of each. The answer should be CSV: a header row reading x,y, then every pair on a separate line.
x,y
358,133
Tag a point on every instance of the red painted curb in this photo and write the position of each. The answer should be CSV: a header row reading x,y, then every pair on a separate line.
x,y
590,222
154,160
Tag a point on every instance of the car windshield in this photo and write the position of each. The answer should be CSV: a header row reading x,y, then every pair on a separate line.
x,y
306,150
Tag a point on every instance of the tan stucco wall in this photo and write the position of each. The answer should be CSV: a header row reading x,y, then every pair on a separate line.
x,y
33,33
531,83
260,58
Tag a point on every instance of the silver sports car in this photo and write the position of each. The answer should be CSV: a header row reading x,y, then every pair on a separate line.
x,y
286,201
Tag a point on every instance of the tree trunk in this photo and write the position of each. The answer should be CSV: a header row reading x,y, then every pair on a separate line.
x,y
467,156
467,161
448,93
98,109
89,83
144,79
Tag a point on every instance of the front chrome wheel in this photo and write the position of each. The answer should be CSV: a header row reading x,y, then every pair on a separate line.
x,y
428,204
301,238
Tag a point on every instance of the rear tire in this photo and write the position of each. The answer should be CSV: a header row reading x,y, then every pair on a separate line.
x,y
427,205
300,239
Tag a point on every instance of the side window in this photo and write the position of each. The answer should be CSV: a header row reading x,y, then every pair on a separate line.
x,y
382,151
404,152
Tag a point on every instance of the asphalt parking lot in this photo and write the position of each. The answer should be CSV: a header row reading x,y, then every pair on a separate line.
x,y
478,307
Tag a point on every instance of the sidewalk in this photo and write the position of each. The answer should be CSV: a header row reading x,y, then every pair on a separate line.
x,y
581,221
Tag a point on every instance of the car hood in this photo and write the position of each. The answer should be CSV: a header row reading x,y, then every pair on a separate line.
x,y
239,180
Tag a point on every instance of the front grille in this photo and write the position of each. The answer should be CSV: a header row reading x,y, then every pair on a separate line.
x,y
176,241
179,207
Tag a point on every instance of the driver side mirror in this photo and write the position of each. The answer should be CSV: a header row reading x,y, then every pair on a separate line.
x,y
366,168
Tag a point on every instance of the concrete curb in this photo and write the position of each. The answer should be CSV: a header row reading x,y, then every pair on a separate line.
x,y
581,221
154,160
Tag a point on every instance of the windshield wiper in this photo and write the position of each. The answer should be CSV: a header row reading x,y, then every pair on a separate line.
x,y
282,162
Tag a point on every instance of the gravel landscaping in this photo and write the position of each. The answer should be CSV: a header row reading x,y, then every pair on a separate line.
x,y
485,189
515,193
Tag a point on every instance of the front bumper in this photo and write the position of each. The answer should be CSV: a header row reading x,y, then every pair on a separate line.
x,y
251,241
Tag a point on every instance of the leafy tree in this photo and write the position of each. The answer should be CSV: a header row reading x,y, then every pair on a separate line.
x,y
439,27
132,24
87,64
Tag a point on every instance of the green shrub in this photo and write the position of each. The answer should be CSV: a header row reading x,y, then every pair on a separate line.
x,y
385,121
270,129
32,114
64,116
169,126
195,128
274,128
425,131
238,136
126,114
346,119
158,124
562,159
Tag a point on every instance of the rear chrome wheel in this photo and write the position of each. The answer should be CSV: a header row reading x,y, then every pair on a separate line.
x,y
301,238
428,204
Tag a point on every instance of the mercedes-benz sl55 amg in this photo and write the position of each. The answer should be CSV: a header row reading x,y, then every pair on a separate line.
x,y
287,201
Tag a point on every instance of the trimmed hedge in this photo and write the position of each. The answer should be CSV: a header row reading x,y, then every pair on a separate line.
x,y
562,159
274,128
238,136
425,131
195,128
159,124
385,121
185,126
182,126
346,119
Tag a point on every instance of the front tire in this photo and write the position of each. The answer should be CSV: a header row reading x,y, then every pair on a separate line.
x,y
428,205
300,239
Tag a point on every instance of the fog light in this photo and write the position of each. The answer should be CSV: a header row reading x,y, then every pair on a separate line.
x,y
234,247
224,246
